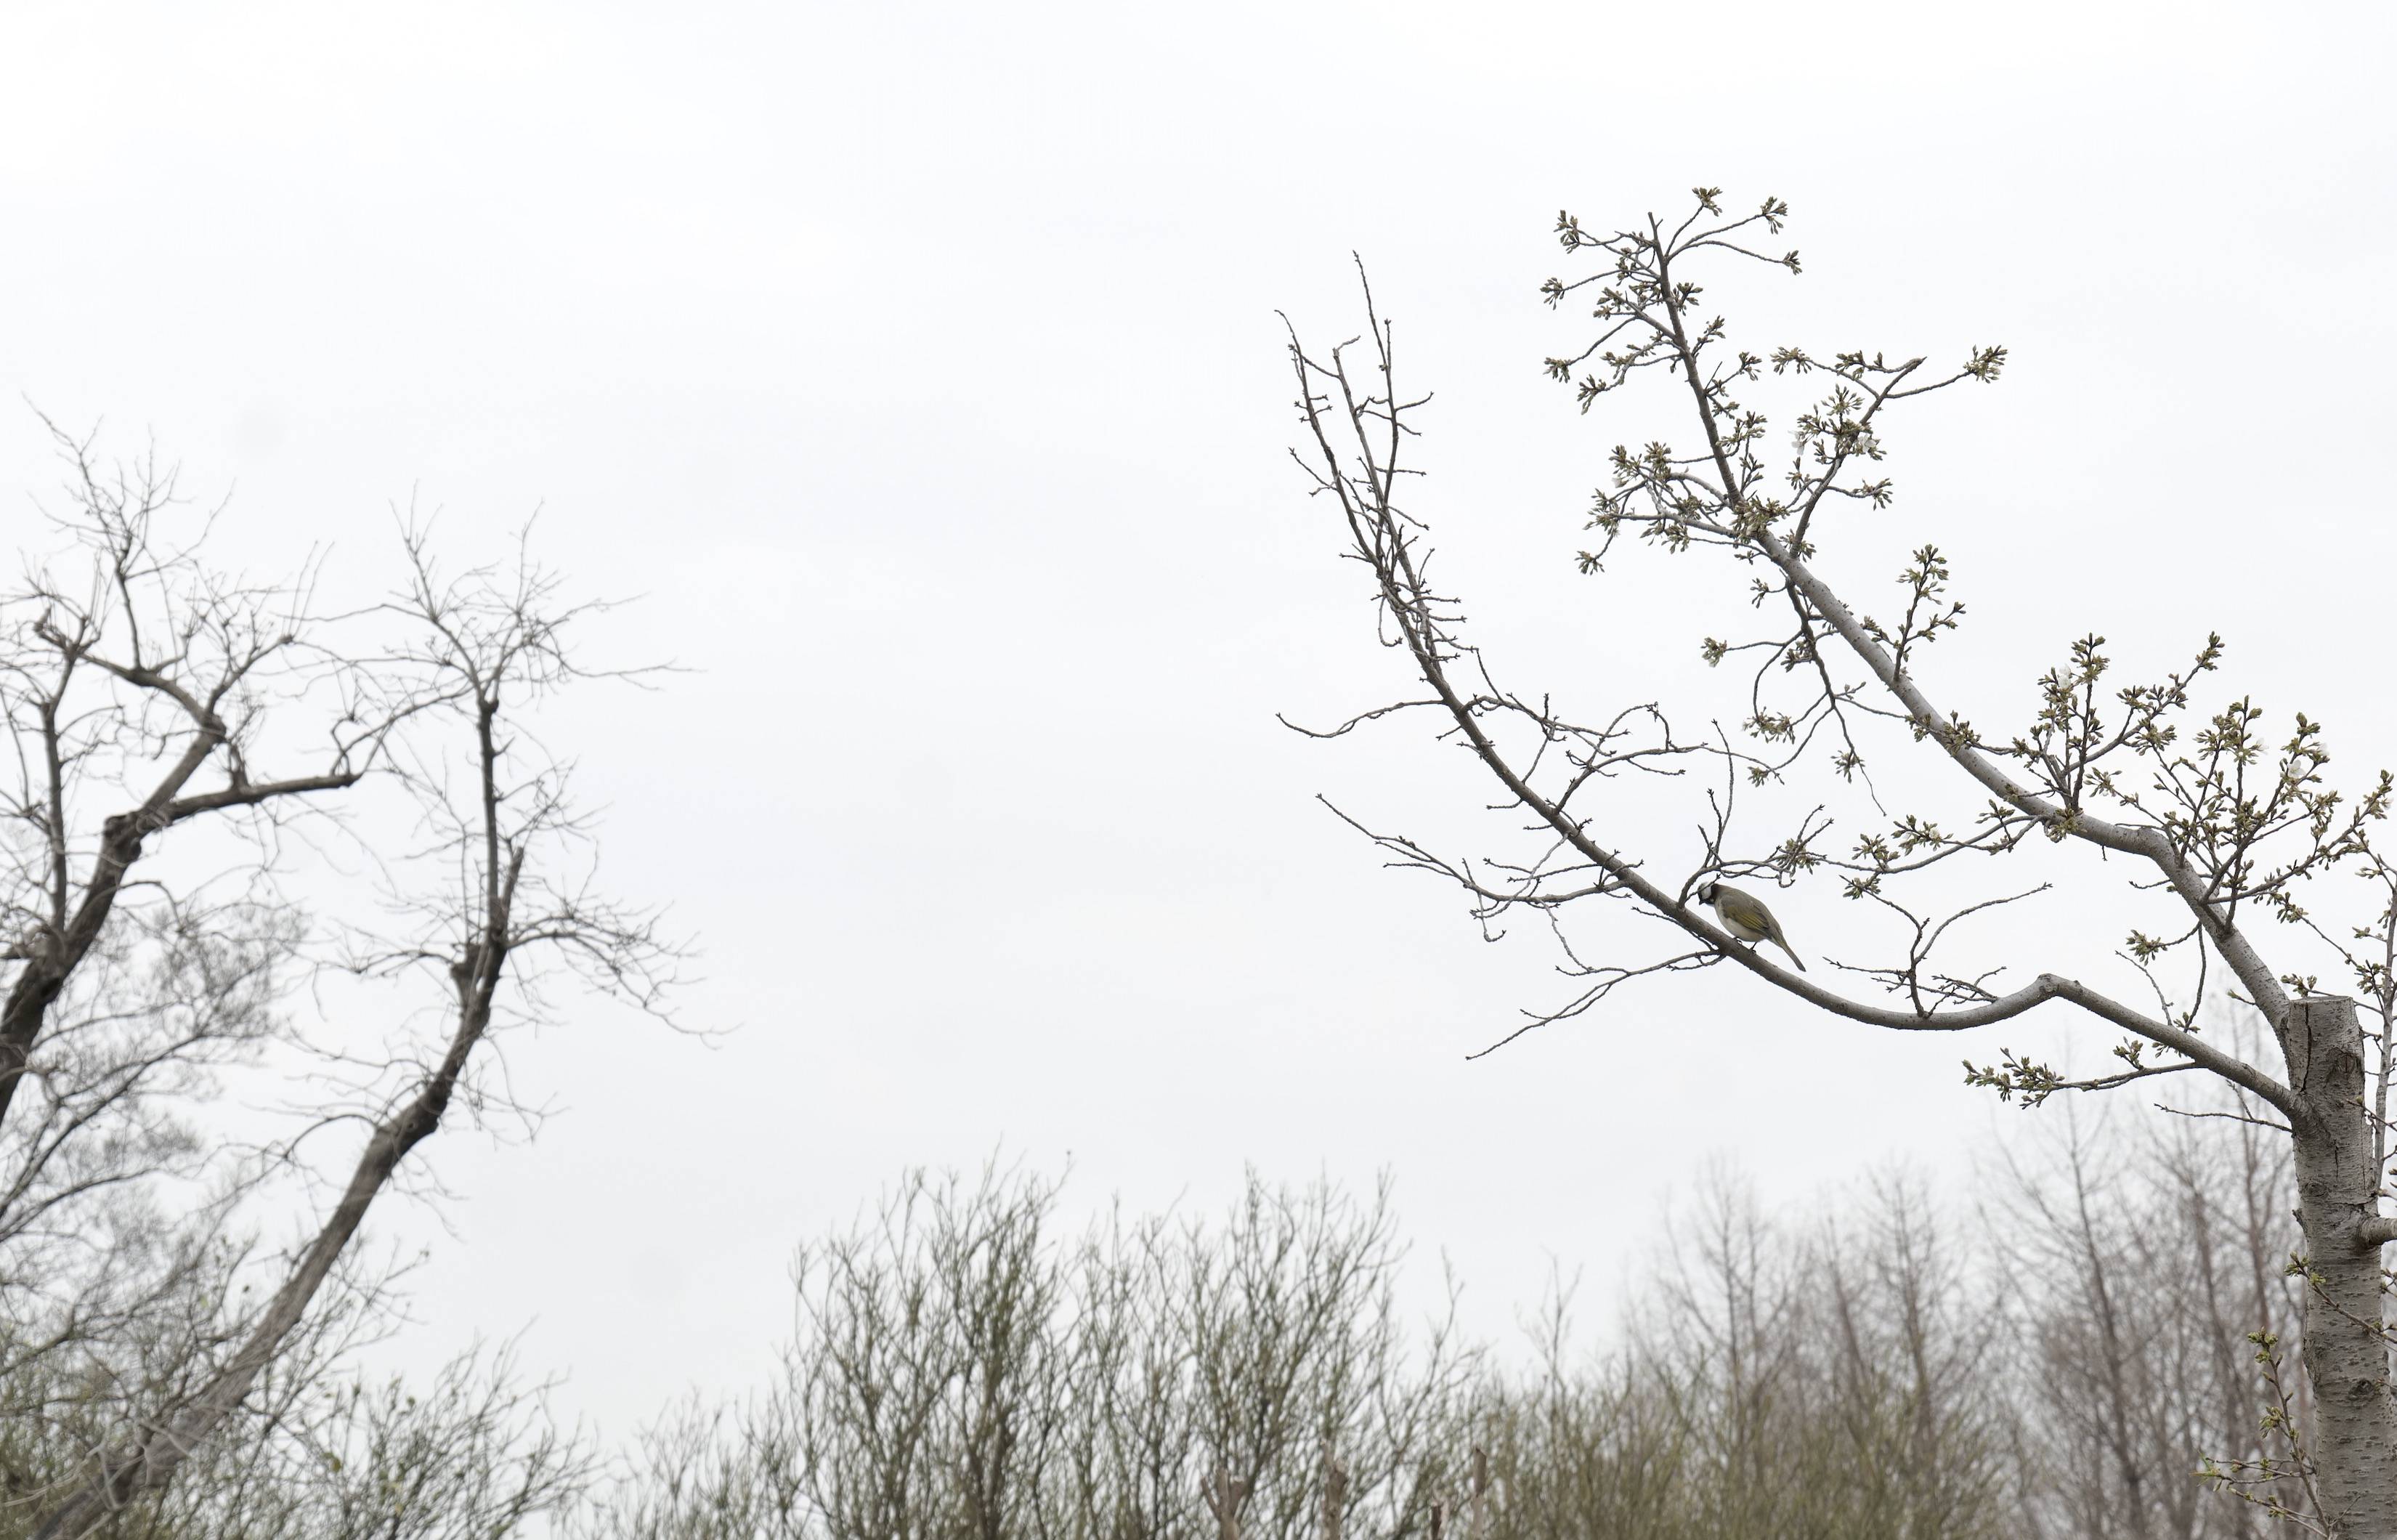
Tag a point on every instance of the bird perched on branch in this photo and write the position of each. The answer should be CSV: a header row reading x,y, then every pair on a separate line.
x,y
1745,916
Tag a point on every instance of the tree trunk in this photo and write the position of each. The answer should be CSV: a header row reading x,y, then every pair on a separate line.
x,y
2346,1345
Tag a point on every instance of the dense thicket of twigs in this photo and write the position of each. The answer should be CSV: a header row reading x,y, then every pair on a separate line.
x,y
967,1363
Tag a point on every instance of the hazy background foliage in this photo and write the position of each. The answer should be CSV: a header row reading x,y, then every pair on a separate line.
x,y
965,1362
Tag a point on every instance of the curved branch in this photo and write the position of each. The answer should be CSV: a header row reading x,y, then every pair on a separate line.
x,y
2149,844
1383,542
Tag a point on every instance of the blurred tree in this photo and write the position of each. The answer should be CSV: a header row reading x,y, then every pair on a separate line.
x,y
2236,825
1888,1368
960,1370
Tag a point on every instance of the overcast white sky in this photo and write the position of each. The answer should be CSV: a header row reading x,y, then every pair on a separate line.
x,y
919,364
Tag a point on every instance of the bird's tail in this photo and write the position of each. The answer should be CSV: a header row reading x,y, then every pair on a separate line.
x,y
1793,955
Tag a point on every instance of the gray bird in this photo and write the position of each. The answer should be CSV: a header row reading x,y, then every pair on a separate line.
x,y
1745,916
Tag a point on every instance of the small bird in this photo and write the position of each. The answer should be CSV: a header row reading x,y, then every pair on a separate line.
x,y
1745,916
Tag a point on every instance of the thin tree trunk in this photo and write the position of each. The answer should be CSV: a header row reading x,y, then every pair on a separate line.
x,y
1335,1493
1223,1496
2346,1345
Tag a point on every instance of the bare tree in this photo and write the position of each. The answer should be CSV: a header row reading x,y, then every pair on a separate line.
x,y
499,883
959,1369
2136,1265
141,689
171,722
2234,824
1886,1368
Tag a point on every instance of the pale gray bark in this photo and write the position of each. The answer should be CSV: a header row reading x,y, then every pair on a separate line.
x,y
2347,1344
